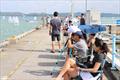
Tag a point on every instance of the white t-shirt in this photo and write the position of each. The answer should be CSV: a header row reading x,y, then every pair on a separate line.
x,y
72,29
75,22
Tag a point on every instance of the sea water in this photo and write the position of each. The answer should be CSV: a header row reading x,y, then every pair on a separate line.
x,y
15,25
109,20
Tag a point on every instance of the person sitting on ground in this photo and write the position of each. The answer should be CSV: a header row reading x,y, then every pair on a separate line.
x,y
55,30
81,48
71,70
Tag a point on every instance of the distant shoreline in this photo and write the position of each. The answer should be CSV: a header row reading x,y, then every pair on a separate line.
x,y
46,14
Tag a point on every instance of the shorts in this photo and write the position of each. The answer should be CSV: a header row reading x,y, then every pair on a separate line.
x,y
53,36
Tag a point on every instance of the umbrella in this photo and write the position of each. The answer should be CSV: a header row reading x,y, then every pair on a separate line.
x,y
92,28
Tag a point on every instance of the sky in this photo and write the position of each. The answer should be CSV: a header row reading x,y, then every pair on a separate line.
x,y
49,6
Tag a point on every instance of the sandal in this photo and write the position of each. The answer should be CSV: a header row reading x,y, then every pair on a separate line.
x,y
52,51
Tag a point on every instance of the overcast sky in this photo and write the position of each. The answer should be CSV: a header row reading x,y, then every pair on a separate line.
x,y
49,6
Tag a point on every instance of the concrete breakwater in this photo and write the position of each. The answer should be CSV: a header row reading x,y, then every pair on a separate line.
x,y
14,39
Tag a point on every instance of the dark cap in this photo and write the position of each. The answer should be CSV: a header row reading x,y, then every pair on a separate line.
x,y
79,33
92,34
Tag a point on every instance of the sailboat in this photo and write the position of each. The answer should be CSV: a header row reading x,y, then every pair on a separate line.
x,y
3,17
10,19
35,18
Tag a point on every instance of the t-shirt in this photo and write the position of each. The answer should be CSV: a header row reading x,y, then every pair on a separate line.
x,y
98,57
72,29
81,47
56,24
82,21
75,22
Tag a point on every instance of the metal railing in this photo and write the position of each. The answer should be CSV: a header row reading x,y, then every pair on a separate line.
x,y
114,53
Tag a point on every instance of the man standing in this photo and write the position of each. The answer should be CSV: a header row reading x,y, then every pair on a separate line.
x,y
82,19
55,30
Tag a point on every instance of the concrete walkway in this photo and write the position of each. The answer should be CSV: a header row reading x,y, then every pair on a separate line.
x,y
29,59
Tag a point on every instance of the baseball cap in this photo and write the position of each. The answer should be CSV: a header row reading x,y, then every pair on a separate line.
x,y
79,33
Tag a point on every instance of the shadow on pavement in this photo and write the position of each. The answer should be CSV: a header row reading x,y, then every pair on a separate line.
x,y
27,50
60,63
38,72
49,56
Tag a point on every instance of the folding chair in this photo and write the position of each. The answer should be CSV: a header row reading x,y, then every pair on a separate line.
x,y
88,75
60,55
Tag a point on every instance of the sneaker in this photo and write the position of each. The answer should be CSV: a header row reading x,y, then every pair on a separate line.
x,y
60,50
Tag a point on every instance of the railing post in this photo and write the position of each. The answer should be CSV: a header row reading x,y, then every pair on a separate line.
x,y
70,54
113,50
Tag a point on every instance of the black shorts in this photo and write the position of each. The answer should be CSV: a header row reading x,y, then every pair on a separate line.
x,y
53,36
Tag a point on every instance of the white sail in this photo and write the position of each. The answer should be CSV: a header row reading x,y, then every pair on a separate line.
x,y
16,20
10,19
3,17
35,18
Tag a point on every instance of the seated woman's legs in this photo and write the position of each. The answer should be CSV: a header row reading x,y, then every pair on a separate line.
x,y
71,73
70,63
67,57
